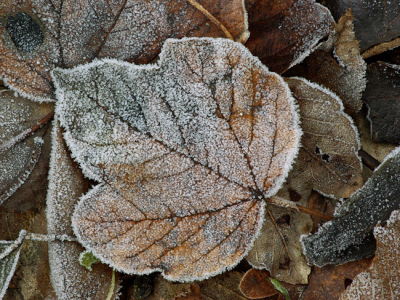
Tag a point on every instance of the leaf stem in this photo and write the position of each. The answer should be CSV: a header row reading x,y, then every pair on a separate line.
x,y
27,133
211,18
368,160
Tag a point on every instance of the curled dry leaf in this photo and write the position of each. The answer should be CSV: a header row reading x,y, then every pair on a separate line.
x,y
17,159
328,160
284,32
374,21
278,249
38,35
382,97
337,65
70,280
256,284
349,236
381,280
185,151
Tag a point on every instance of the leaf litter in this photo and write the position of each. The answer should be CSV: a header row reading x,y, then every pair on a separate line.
x,y
184,151
349,236
38,35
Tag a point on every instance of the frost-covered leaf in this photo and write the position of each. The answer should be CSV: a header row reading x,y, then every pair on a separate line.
x,y
38,35
280,251
381,280
256,284
374,21
185,151
348,236
18,158
337,65
9,255
382,97
70,280
328,160
284,32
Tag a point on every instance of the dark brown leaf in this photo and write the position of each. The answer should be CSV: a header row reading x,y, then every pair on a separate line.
x,y
382,97
38,35
284,32
255,284
329,282
374,21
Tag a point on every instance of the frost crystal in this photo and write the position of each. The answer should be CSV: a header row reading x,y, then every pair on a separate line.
x,y
182,150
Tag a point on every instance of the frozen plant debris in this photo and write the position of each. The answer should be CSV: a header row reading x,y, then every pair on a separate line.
x,y
39,35
348,236
182,150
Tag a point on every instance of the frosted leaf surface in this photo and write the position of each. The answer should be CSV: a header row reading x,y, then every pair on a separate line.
x,y
343,238
328,161
184,152
280,252
38,35
338,65
381,280
17,159
69,279
284,32
9,256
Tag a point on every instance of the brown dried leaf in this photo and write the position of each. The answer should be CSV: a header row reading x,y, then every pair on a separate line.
x,y
18,159
185,152
284,32
328,160
330,281
38,35
374,21
167,290
381,280
278,249
70,280
255,284
337,65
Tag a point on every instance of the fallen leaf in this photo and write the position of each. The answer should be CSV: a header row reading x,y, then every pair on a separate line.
x,y
284,32
256,284
185,152
18,159
374,21
337,65
167,290
328,160
278,249
330,281
38,35
70,280
382,97
9,255
349,236
381,280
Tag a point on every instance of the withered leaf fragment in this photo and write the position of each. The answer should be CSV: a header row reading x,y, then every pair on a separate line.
x,y
184,151
381,280
382,97
374,21
338,65
38,35
327,160
18,157
349,236
70,279
278,249
284,32
256,284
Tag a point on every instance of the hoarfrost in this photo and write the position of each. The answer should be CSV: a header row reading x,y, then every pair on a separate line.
x,y
183,150
348,236
18,158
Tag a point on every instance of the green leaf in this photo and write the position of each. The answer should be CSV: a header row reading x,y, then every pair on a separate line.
x,y
87,259
280,288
